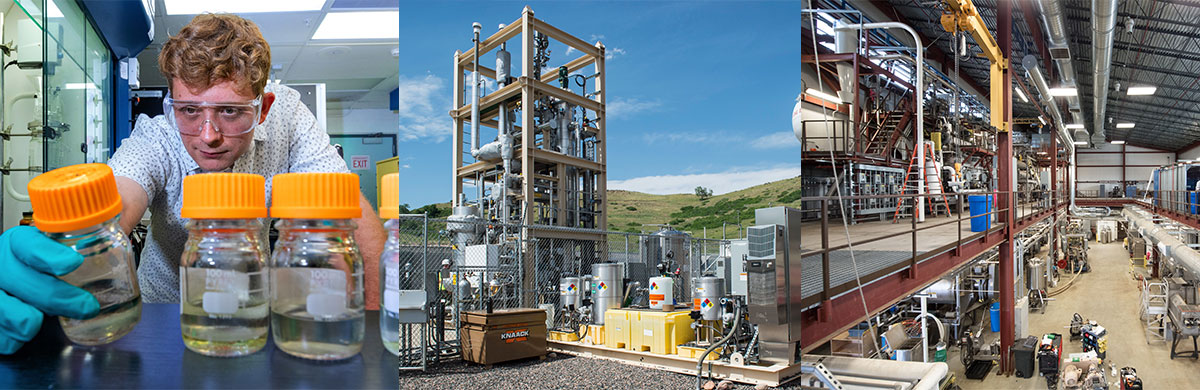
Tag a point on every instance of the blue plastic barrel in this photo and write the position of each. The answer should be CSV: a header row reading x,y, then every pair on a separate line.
x,y
996,317
1195,210
980,204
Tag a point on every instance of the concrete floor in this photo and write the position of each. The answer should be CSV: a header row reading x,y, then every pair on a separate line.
x,y
1111,296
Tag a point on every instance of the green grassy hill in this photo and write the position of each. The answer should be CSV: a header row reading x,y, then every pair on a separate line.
x,y
628,211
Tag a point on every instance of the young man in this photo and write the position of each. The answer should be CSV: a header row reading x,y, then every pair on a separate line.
x,y
222,115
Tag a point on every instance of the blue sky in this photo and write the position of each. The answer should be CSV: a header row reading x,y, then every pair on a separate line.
x,y
699,93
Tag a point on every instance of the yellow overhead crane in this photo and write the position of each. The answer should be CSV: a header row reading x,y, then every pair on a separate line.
x,y
963,16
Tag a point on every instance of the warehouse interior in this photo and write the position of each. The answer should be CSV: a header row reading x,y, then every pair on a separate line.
x,y
995,194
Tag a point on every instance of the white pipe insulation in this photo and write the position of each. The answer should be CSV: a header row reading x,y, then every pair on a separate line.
x,y
912,375
1166,243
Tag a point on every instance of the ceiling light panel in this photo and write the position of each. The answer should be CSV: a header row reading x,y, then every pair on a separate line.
x,y
360,25
193,7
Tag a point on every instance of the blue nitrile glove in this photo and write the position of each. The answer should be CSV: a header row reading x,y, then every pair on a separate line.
x,y
29,262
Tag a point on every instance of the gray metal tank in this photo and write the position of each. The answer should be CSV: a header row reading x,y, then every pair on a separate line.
x,y
607,289
706,297
669,246
466,229
1037,274
570,293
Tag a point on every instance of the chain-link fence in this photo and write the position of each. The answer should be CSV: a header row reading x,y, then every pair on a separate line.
x,y
470,264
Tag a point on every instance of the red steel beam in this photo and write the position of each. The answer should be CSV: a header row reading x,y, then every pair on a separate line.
x,y
846,311
1004,174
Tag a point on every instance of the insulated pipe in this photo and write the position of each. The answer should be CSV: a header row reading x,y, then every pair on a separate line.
x,y
1167,243
925,376
475,92
1104,20
918,146
1039,82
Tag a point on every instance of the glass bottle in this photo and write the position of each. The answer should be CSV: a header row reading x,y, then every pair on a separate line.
x,y
222,281
389,262
317,305
79,207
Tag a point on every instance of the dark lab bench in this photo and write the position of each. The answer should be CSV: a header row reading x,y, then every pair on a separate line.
x,y
153,356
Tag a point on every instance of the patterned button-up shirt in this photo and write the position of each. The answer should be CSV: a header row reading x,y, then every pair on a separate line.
x,y
290,140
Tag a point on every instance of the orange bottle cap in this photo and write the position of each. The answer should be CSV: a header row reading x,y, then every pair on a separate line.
x,y
74,197
315,196
389,206
224,196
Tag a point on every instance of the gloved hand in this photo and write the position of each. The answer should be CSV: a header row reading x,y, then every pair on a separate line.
x,y
28,263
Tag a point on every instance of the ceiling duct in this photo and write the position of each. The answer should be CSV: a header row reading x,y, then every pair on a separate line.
x,y
1052,20
1104,23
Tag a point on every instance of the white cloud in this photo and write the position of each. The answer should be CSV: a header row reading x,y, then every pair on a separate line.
x,y
696,137
780,140
621,108
570,50
405,166
720,183
609,54
418,118
594,38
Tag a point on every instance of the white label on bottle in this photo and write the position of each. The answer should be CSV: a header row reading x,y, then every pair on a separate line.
x,y
220,302
326,292
391,287
391,280
391,301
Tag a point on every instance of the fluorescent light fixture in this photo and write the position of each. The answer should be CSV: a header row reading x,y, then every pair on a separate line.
x,y
79,86
1080,142
1126,125
1043,120
823,96
1118,142
1021,95
1064,91
1075,126
1043,153
360,25
1141,90
193,7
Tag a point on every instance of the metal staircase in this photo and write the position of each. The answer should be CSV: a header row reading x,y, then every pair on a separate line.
x,y
889,127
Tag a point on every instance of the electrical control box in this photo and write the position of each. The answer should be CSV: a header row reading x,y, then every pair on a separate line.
x,y
486,255
738,250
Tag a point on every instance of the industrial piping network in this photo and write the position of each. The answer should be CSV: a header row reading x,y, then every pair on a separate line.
x,y
1167,244
920,86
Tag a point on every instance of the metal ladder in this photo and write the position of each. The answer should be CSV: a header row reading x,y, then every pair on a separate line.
x,y
1154,310
911,179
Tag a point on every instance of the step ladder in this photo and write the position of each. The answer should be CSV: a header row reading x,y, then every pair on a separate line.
x,y
1154,311
911,181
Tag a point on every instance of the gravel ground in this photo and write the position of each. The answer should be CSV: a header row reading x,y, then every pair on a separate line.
x,y
558,371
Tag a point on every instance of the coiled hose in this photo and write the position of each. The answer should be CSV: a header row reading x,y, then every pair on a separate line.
x,y
737,321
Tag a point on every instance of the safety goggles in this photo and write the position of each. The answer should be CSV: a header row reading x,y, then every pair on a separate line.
x,y
190,117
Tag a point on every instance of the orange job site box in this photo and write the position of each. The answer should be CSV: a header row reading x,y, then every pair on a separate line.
x,y
503,335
